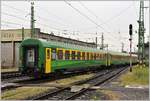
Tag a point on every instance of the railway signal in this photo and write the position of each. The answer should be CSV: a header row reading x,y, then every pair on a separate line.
x,y
130,33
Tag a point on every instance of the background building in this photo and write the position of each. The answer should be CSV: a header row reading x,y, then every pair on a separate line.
x,y
11,39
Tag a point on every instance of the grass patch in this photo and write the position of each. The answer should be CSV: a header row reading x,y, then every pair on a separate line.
x,y
138,76
67,81
22,92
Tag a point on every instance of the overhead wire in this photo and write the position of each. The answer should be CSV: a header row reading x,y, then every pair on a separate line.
x,y
3,21
91,13
6,25
88,10
44,19
26,19
14,8
21,11
50,26
8,14
56,17
112,37
55,28
117,15
88,18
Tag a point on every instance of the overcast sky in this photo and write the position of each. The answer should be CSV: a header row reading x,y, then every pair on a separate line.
x,y
81,21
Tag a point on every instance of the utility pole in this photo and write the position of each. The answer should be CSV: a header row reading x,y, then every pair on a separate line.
x,y
122,47
32,20
22,33
107,55
141,31
96,40
102,42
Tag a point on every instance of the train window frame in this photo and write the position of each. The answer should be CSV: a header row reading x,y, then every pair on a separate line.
x,y
73,56
67,56
97,56
87,56
78,55
83,56
100,56
60,57
94,56
53,54
91,56
29,58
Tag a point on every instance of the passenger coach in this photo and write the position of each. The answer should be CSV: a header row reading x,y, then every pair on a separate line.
x,y
38,56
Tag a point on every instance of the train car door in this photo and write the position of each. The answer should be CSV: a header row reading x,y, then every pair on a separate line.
x,y
106,59
48,60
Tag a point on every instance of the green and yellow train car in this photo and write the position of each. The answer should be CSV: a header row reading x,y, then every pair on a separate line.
x,y
38,56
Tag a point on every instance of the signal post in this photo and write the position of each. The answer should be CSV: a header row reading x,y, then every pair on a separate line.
x,y
130,39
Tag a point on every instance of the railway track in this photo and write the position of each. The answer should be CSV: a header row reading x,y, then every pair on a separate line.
x,y
11,83
97,82
22,80
65,93
7,78
6,75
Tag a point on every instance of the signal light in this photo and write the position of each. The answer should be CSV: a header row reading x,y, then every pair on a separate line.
x,y
130,29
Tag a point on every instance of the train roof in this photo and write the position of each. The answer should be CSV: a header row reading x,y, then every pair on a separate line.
x,y
55,44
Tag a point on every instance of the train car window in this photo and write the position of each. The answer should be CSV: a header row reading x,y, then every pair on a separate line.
x,y
99,56
102,56
54,56
94,56
83,55
67,55
91,56
30,57
78,55
48,54
73,55
87,56
60,54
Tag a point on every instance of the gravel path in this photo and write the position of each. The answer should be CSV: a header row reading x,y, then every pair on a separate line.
x,y
128,92
114,91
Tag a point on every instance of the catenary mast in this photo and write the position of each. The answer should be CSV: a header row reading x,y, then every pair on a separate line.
x,y
141,32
